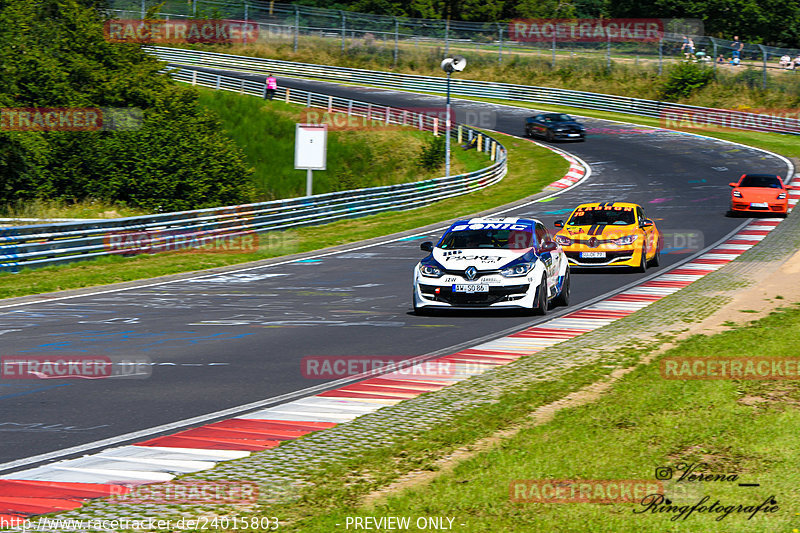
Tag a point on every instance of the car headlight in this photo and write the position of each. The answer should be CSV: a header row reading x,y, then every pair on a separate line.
x,y
517,270
782,196
627,239
737,194
562,241
430,271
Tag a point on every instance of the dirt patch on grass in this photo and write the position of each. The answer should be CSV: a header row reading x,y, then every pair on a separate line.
x,y
539,416
779,289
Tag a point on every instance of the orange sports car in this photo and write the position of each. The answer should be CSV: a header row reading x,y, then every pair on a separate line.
x,y
760,193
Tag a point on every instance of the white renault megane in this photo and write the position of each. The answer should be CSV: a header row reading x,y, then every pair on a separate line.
x,y
510,263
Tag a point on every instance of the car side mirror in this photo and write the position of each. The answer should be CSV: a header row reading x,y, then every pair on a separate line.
x,y
559,223
789,187
426,246
646,223
732,185
548,246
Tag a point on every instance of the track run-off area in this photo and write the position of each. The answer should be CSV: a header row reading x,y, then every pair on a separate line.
x,y
230,344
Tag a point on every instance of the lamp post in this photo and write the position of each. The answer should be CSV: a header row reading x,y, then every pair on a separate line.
x,y
450,65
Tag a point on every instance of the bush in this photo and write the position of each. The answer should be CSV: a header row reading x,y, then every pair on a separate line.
x,y
432,155
750,77
684,79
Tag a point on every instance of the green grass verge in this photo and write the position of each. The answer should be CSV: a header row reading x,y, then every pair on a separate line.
x,y
530,169
746,428
366,155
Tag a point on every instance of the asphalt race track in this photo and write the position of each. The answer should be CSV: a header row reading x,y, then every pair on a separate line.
x,y
222,341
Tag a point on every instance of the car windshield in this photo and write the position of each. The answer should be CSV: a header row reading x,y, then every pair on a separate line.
x,y
558,117
591,217
483,238
771,182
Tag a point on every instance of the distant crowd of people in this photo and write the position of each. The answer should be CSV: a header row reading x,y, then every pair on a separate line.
x,y
689,54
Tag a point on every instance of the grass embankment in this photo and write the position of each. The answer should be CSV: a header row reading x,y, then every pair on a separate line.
x,y
745,428
734,87
368,155
59,209
530,169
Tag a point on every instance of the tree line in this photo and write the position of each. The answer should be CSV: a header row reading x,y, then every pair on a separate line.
x,y
173,155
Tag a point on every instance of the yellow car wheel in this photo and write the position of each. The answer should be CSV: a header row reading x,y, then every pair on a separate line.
x,y
643,261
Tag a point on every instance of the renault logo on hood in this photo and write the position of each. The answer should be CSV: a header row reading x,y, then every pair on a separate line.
x,y
471,272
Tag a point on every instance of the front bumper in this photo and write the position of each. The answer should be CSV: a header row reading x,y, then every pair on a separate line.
x,y
569,135
619,256
781,206
514,295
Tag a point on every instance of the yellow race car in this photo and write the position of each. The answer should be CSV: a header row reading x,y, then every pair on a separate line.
x,y
610,234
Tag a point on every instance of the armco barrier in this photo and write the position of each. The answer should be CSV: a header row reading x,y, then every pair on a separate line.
x,y
483,89
49,244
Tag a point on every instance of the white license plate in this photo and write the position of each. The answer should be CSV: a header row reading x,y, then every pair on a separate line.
x,y
470,288
574,134
758,204
590,255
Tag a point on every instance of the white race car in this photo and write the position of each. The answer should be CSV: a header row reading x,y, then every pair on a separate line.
x,y
510,263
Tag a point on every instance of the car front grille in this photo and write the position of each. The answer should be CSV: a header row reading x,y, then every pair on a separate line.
x,y
625,255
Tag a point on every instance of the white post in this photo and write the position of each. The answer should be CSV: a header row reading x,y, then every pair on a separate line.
x,y
309,181
447,132
296,26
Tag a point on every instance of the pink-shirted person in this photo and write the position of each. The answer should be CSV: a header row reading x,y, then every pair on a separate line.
x,y
271,87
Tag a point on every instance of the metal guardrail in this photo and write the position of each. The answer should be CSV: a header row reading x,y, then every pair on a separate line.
x,y
484,89
48,244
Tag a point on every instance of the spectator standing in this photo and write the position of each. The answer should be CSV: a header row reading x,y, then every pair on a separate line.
x,y
687,47
737,47
271,87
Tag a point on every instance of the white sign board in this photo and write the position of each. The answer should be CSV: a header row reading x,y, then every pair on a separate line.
x,y
310,146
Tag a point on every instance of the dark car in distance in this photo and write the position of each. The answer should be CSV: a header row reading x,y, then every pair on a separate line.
x,y
555,127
